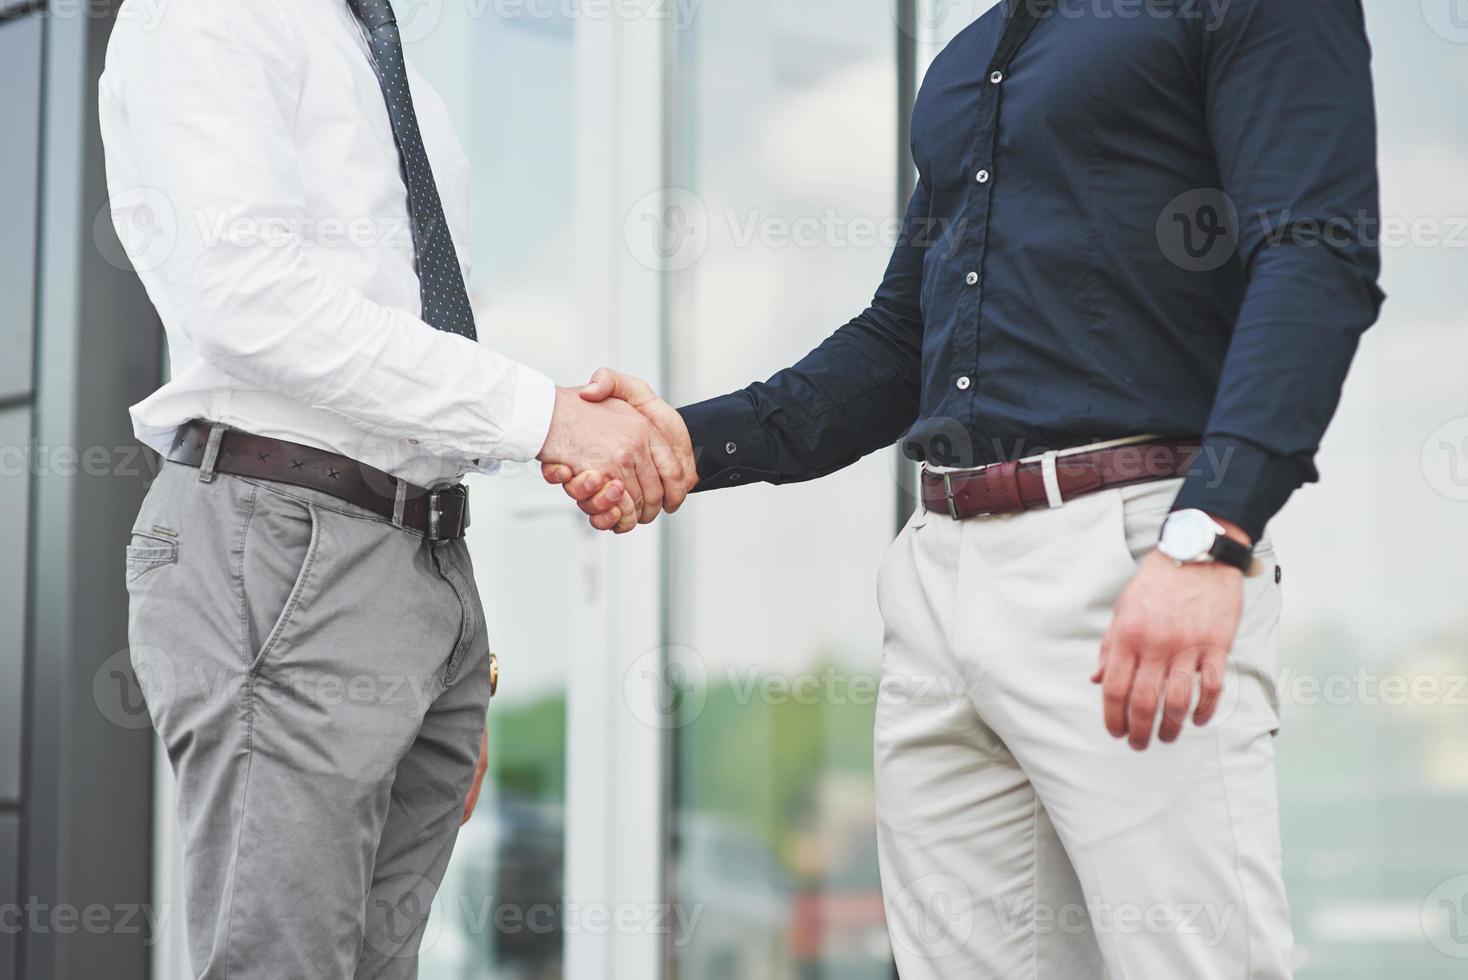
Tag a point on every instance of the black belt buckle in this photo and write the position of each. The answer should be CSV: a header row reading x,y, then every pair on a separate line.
x,y
438,530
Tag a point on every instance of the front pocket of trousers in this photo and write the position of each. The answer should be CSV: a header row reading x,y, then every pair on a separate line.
x,y
278,551
147,552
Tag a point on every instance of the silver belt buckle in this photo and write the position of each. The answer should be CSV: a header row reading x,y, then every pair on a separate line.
x,y
948,491
436,531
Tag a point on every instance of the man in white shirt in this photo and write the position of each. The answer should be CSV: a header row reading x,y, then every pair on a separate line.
x,y
304,618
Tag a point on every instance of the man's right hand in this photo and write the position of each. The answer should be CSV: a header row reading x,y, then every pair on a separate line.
x,y
675,457
615,461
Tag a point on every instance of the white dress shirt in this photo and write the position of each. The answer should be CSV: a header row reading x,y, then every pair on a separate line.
x,y
257,189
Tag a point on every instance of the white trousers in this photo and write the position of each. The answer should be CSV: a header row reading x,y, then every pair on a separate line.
x,y
1018,839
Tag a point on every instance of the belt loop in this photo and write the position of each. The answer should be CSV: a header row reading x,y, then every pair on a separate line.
x,y
1051,476
400,503
211,452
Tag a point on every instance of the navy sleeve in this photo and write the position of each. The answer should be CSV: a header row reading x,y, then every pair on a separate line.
x,y
855,393
1289,102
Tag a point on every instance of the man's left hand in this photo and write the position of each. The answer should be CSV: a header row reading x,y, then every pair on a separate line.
x,y
1174,623
480,768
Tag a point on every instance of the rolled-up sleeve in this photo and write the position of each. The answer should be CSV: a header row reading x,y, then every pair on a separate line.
x,y
1288,94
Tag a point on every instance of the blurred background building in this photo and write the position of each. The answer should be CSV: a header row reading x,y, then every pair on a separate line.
x,y
700,190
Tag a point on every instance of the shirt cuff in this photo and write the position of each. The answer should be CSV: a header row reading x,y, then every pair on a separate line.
x,y
524,437
729,444
1239,481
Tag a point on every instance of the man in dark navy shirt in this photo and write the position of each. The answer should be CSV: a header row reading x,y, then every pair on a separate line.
x,y
1131,281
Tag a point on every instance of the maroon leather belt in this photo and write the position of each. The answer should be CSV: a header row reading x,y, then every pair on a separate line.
x,y
441,513
1020,485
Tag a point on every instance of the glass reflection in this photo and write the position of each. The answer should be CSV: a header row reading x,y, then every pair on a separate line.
x,y
784,141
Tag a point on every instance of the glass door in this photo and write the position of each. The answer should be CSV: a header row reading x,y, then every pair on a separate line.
x,y
784,153
509,82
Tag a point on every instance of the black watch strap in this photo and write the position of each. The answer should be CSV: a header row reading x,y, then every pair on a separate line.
x,y
1235,553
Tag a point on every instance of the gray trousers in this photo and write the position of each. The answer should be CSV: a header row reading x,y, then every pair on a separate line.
x,y
320,678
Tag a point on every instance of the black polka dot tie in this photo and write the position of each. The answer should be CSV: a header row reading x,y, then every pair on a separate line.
x,y
441,282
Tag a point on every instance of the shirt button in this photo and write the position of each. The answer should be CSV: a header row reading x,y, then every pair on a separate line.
x,y
996,77
972,278
731,448
964,383
983,177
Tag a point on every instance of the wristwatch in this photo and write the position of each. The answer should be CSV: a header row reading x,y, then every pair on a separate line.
x,y
1191,536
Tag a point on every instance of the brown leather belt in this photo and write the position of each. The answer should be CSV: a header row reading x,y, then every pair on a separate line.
x,y
1020,485
441,513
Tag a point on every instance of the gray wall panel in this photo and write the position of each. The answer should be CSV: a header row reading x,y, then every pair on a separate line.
x,y
15,430
97,352
20,122
9,891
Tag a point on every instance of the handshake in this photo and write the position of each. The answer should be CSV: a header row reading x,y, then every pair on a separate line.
x,y
621,452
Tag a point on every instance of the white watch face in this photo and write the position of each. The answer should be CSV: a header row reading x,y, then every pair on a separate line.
x,y
1188,536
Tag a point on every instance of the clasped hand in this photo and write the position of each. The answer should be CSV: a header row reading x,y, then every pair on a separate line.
x,y
621,452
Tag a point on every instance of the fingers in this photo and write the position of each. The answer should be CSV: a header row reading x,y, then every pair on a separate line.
x,y
607,520
1142,712
1116,688
671,427
652,485
1210,683
606,383
1177,699
631,474
555,473
670,472
627,516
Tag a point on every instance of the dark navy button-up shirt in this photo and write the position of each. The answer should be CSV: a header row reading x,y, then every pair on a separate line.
x,y
1132,217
